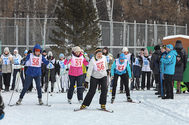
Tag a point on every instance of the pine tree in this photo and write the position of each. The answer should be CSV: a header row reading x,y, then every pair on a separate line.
x,y
78,26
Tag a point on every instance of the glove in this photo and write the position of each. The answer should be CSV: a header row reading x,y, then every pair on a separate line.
x,y
131,79
110,57
69,57
67,69
148,59
49,58
112,77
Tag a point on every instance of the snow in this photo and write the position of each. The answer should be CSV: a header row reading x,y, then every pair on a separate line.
x,y
152,110
176,36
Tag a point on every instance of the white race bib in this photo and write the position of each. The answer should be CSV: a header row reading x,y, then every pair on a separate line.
x,y
121,67
100,64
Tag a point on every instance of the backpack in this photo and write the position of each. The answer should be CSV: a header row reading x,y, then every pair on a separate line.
x,y
179,58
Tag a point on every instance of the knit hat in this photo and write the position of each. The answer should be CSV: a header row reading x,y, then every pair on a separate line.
x,y
163,47
50,53
125,49
61,55
122,56
97,50
6,49
16,50
178,41
26,51
44,51
76,49
142,49
145,52
151,52
170,46
157,47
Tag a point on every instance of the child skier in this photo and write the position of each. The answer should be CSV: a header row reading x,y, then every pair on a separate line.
x,y
62,71
50,72
97,74
33,62
6,61
76,73
146,69
17,68
119,68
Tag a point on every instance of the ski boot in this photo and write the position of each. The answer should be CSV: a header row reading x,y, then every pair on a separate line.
x,y
112,100
62,90
103,106
45,89
19,101
52,89
129,99
69,101
83,106
40,101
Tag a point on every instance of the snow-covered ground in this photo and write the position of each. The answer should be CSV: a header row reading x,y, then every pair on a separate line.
x,y
152,110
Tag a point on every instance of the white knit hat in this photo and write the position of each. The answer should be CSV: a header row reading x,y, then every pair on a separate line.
x,y
16,50
6,49
76,49
125,49
50,53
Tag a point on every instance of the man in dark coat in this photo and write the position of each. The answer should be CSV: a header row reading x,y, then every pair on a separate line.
x,y
180,64
155,69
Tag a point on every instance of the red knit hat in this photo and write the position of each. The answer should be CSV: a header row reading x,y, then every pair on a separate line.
x,y
37,50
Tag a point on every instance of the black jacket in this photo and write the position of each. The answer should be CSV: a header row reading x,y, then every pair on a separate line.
x,y
153,67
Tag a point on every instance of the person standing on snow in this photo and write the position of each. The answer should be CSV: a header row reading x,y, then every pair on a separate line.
x,y
155,69
50,72
62,71
146,69
120,68
97,74
76,73
169,61
17,68
110,61
6,61
33,62
43,68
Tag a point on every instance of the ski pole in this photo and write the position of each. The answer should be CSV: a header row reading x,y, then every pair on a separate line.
x,y
15,85
48,85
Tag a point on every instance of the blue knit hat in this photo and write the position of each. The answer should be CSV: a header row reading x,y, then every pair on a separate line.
x,y
61,55
122,56
170,46
26,51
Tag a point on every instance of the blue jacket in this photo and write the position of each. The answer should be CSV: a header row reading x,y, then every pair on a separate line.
x,y
113,69
35,71
169,62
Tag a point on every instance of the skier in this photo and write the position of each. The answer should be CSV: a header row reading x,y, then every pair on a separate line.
x,y
145,69
17,68
2,106
169,61
120,68
129,57
26,67
110,61
137,71
50,72
76,73
97,74
6,61
62,71
43,68
33,62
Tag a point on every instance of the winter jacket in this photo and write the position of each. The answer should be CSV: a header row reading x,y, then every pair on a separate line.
x,y
96,74
185,55
76,71
6,68
169,61
115,71
153,67
35,71
158,62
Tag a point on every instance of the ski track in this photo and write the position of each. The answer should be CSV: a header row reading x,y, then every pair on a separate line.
x,y
151,111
